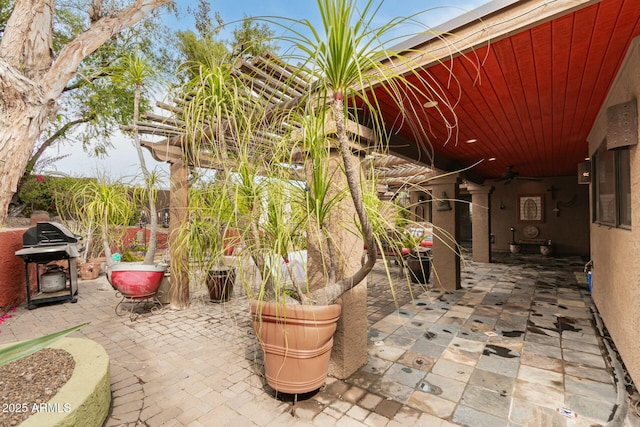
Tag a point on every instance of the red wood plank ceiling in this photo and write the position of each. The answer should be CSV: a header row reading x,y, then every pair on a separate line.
x,y
535,97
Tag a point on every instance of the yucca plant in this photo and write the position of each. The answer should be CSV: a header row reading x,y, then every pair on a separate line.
x,y
232,117
205,236
103,206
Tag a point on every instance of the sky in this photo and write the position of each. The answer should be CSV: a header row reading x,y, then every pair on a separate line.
x,y
121,161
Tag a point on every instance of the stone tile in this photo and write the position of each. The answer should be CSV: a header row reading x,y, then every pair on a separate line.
x,y
470,346
370,401
499,365
407,416
588,338
487,401
404,375
492,381
354,394
376,335
542,339
453,370
514,344
388,408
386,326
391,389
417,361
397,341
525,413
544,377
583,358
431,421
582,346
542,350
386,352
591,389
357,413
434,405
442,334
376,365
375,420
450,389
323,419
413,331
581,371
467,416
596,409
428,348
539,394
460,356
473,335
541,362
364,379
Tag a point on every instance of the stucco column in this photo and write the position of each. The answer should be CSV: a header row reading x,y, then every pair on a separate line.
x,y
178,202
480,221
350,340
446,230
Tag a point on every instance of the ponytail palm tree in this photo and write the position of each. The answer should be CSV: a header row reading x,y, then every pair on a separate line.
x,y
346,57
137,72
234,118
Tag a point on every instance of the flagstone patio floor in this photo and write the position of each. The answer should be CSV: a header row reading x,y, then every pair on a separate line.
x,y
518,345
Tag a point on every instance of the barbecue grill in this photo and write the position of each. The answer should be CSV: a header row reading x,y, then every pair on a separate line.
x,y
48,245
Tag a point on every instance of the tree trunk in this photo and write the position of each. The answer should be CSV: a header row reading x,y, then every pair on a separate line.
x,y
23,122
31,81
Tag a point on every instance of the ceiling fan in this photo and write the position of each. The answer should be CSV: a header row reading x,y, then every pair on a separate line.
x,y
510,175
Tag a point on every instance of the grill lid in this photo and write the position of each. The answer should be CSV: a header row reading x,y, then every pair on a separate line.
x,y
48,234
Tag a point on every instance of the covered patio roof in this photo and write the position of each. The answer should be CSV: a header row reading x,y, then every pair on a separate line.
x,y
528,81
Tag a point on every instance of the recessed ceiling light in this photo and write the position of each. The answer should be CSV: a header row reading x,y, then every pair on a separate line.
x,y
492,159
430,104
471,141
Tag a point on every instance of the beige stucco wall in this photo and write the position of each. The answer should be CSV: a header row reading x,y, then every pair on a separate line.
x,y
567,229
616,271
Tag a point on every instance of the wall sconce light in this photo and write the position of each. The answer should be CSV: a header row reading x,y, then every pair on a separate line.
x,y
443,204
502,206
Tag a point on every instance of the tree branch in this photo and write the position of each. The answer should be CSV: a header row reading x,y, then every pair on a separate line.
x,y
70,57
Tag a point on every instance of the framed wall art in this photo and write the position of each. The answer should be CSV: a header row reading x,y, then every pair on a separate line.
x,y
531,208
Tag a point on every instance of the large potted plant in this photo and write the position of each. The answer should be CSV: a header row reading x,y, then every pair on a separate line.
x,y
204,238
139,281
327,204
110,207
416,254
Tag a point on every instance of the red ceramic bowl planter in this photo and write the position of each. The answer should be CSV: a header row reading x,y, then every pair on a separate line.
x,y
137,281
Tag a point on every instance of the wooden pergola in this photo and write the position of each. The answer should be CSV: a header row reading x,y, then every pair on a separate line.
x,y
285,88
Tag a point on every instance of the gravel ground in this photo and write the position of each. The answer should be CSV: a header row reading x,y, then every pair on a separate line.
x,y
28,383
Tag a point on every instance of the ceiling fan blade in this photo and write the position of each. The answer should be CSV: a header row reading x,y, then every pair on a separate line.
x,y
529,178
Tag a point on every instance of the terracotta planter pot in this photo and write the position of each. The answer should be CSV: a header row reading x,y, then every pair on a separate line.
x,y
220,283
89,270
137,281
296,341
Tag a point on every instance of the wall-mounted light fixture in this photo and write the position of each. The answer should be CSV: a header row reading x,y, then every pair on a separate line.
x,y
502,206
443,203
